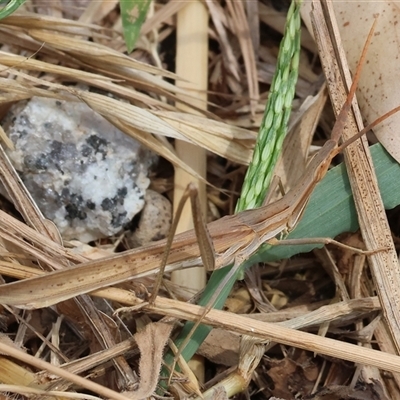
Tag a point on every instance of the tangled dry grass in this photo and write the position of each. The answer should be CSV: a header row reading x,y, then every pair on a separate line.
x,y
80,348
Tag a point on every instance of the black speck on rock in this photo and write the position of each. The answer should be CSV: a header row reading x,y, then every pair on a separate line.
x,y
24,120
75,206
42,162
122,192
56,147
90,205
119,219
23,133
74,212
65,193
98,144
107,204
62,151
86,151
39,163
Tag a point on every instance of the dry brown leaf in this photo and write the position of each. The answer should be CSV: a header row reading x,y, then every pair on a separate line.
x,y
379,89
234,143
277,19
151,342
29,20
242,31
93,52
293,377
163,14
97,10
96,80
219,19
293,160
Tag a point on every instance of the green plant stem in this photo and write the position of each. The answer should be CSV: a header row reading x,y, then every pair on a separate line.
x,y
276,116
10,7
268,147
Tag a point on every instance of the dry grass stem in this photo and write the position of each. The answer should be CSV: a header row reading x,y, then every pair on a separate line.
x,y
323,303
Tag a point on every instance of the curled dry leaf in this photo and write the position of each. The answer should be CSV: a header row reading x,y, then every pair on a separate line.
x,y
151,341
378,90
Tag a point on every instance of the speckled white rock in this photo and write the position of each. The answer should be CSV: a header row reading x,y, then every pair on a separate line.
x,y
85,175
155,221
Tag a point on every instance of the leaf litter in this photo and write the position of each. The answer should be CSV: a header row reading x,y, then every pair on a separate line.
x,y
124,357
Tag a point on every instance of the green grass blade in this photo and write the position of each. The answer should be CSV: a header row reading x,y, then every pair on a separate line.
x,y
133,14
331,209
274,124
269,143
10,7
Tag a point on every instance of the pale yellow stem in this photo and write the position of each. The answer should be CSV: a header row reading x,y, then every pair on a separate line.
x,y
191,64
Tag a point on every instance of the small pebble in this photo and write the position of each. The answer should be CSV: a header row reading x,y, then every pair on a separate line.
x,y
155,221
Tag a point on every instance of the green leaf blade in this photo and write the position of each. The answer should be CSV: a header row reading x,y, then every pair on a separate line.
x,y
10,7
331,210
133,14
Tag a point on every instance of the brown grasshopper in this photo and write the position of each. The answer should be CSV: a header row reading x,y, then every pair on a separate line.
x,y
235,238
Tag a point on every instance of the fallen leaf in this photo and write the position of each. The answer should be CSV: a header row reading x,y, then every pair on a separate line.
x,y
151,342
378,92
